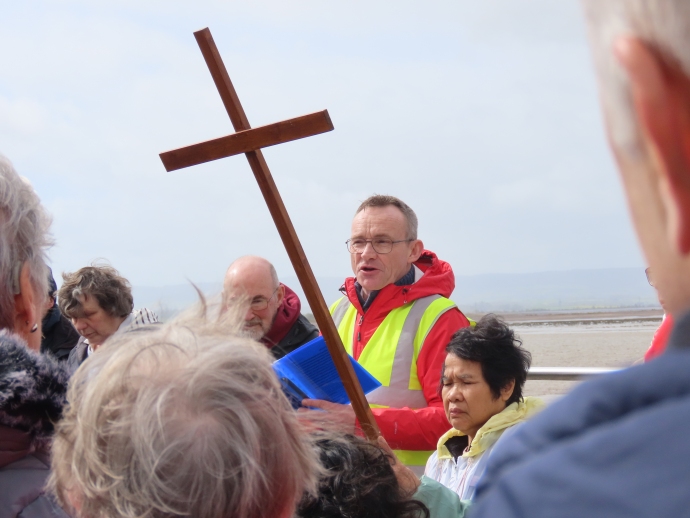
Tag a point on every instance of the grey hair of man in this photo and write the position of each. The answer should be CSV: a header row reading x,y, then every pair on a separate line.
x,y
24,239
182,419
662,24
384,200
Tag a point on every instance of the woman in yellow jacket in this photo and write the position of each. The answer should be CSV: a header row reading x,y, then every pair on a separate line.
x,y
483,376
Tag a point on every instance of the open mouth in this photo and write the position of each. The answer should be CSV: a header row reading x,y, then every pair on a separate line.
x,y
367,269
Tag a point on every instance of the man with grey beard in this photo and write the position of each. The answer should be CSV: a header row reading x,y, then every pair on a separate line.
x,y
273,310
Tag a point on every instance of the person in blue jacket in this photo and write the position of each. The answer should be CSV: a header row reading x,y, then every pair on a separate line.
x,y
619,446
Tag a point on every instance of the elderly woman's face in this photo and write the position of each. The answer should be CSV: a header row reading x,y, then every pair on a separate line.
x,y
467,398
95,324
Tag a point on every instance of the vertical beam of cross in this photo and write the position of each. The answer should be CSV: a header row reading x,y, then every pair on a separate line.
x,y
301,127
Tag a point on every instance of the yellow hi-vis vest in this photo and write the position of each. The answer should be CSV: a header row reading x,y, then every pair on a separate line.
x,y
391,354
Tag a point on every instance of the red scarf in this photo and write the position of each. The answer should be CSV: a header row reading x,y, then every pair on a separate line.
x,y
287,315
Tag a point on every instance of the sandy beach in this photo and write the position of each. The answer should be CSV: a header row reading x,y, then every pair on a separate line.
x,y
606,338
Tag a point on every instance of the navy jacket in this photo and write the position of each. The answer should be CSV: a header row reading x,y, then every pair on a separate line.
x,y
617,446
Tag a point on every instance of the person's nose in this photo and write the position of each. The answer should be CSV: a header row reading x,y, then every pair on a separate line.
x,y
368,252
249,315
455,394
79,324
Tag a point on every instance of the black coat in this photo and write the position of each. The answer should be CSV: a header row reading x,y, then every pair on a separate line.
x,y
59,335
301,332
33,391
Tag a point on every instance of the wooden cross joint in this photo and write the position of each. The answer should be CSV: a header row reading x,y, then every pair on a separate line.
x,y
250,141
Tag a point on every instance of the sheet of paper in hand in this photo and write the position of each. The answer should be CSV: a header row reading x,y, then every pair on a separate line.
x,y
309,372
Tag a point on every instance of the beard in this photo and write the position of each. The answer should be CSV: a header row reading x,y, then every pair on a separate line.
x,y
255,329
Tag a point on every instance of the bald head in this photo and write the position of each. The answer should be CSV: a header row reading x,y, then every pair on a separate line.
x,y
255,280
249,270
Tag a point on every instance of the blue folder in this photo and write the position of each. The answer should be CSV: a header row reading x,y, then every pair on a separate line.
x,y
309,372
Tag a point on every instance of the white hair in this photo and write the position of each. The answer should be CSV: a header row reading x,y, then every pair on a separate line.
x,y
664,25
181,419
24,238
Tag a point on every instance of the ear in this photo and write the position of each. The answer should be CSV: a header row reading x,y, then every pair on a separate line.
x,y
281,294
26,314
507,391
661,99
416,249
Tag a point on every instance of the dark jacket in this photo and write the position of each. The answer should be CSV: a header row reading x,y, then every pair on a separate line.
x,y
32,393
618,446
59,335
301,332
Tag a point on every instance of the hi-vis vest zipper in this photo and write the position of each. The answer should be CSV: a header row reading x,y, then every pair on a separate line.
x,y
391,354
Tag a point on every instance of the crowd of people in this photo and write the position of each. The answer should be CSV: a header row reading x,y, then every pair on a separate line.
x,y
107,412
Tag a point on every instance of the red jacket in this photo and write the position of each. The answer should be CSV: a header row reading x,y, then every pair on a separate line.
x,y
405,428
660,338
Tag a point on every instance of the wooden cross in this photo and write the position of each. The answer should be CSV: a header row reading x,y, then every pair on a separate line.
x,y
250,141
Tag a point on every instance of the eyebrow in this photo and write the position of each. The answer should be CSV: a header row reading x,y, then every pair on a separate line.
x,y
461,377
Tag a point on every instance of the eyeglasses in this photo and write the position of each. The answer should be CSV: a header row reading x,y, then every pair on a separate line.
x,y
648,273
261,303
380,245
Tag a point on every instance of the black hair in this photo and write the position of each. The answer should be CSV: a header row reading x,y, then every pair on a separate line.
x,y
493,345
359,482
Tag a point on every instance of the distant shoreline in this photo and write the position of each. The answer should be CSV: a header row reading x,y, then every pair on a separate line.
x,y
577,315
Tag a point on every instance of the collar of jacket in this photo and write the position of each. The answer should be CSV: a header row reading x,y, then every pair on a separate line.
x,y
287,315
493,428
437,279
33,390
681,332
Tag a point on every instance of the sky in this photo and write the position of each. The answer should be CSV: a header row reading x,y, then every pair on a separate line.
x,y
482,116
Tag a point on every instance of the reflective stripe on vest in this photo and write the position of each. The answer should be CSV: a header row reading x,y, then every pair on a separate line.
x,y
392,351
391,354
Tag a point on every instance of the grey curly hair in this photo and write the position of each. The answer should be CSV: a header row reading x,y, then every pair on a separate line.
x,y
24,238
181,419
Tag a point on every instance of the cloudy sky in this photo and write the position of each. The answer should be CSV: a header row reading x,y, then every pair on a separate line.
x,y
480,115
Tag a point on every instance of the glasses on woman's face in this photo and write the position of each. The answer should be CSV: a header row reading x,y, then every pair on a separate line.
x,y
261,303
648,273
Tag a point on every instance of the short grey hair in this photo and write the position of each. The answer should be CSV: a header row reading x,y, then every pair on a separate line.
x,y
662,24
185,418
384,200
24,238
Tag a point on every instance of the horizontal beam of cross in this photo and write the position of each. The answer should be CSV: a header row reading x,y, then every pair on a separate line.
x,y
247,140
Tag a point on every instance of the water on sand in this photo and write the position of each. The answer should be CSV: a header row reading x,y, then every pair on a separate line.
x,y
583,339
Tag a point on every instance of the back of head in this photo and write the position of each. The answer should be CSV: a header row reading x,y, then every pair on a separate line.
x,y
359,482
181,419
103,282
494,345
663,24
642,55
24,239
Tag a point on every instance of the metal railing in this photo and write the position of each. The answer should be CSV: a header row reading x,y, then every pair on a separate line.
x,y
567,373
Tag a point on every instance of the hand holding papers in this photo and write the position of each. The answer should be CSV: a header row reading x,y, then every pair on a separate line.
x,y
309,373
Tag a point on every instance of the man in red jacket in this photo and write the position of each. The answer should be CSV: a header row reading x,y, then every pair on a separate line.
x,y
273,313
396,320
